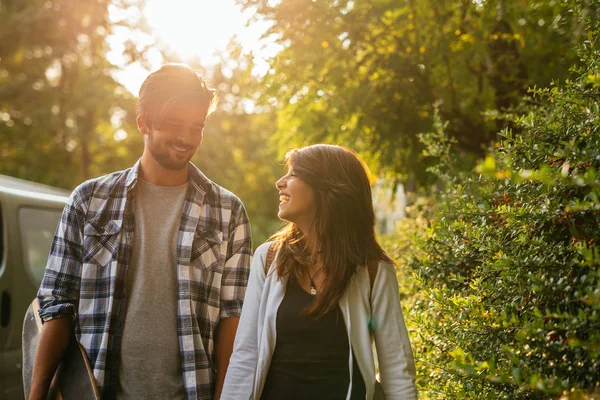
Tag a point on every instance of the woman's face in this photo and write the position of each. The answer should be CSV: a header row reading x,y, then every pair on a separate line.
x,y
296,200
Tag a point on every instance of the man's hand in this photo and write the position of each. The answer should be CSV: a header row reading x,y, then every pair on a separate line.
x,y
223,348
53,342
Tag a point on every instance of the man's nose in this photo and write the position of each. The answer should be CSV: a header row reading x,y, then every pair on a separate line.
x,y
187,135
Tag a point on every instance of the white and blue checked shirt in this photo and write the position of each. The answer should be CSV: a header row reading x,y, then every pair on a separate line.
x,y
87,269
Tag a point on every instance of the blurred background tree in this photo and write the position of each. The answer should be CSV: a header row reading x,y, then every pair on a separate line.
x,y
64,117
367,73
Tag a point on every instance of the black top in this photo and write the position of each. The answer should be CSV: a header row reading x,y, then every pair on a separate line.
x,y
310,360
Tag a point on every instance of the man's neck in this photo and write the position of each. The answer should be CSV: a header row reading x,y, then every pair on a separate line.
x,y
151,171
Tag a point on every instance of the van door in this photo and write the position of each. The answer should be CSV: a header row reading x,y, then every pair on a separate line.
x,y
5,300
10,361
32,225
37,227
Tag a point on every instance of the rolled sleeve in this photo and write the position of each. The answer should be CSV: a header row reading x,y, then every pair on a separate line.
x,y
58,294
231,308
58,311
237,265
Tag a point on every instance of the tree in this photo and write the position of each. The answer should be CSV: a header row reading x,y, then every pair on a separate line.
x,y
368,73
63,117
510,266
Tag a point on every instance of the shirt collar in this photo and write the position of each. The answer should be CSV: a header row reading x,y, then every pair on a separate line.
x,y
132,175
198,181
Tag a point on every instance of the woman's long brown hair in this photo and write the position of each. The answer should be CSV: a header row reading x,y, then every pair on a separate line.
x,y
344,221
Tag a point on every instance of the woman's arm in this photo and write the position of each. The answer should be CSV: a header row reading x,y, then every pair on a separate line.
x,y
396,362
239,380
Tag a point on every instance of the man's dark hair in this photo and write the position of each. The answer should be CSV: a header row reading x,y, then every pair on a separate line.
x,y
169,84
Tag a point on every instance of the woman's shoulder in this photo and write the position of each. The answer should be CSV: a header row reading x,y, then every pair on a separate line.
x,y
262,249
263,257
380,269
376,265
386,265
262,252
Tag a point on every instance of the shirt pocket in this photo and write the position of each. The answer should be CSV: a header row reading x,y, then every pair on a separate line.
x,y
101,241
206,250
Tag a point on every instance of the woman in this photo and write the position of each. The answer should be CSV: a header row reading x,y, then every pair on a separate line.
x,y
307,323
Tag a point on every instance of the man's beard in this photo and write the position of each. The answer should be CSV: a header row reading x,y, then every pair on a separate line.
x,y
162,155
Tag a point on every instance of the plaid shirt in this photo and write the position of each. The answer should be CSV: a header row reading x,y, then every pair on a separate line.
x,y
85,277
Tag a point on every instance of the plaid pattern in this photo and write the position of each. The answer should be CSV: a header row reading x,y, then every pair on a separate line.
x,y
87,268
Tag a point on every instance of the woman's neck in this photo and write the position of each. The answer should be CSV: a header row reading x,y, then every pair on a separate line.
x,y
310,239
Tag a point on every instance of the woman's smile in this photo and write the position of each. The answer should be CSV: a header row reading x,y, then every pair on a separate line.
x,y
283,198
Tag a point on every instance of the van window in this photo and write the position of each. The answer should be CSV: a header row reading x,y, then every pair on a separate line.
x,y
1,238
37,228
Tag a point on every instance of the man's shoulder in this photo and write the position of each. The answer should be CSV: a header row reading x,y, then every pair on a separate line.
x,y
102,186
223,198
216,195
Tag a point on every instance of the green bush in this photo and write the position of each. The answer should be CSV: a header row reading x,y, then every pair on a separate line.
x,y
509,306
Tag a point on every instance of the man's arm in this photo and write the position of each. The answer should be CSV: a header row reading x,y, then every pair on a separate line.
x,y
52,344
225,337
59,294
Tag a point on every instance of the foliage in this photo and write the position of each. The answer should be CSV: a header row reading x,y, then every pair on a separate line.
x,y
63,117
367,73
510,265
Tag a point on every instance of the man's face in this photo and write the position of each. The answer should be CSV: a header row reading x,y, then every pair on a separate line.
x,y
174,143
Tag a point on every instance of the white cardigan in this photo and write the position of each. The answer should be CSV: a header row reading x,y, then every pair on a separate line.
x,y
256,336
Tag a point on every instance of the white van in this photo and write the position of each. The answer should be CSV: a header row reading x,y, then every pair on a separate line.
x,y
29,215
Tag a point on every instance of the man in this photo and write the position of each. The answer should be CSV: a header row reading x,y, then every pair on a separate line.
x,y
150,265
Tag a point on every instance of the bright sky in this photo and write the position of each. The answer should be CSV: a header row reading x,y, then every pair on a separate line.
x,y
191,28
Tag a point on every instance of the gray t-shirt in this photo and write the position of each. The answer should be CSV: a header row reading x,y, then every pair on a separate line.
x,y
150,366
